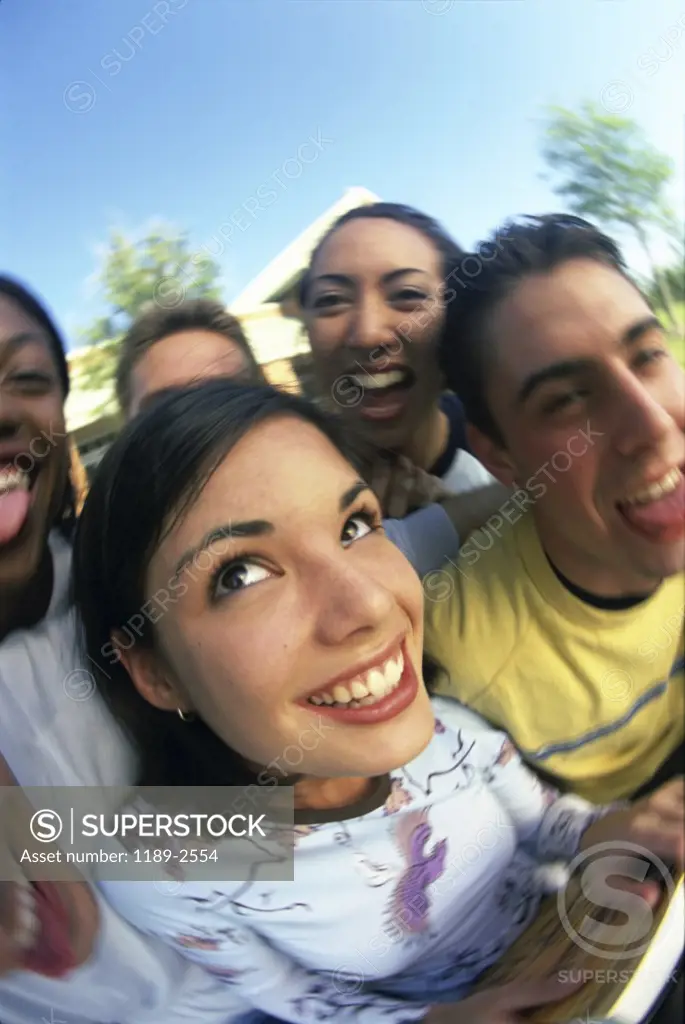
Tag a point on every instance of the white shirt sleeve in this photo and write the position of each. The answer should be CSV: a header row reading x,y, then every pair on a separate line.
x,y
427,538
254,971
466,474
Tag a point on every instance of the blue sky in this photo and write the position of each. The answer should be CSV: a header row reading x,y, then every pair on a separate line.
x,y
125,112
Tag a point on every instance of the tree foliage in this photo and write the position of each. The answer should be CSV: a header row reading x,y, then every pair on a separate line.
x,y
607,171
159,268
675,281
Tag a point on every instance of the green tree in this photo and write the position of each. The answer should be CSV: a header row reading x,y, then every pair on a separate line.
x,y
160,268
675,280
607,171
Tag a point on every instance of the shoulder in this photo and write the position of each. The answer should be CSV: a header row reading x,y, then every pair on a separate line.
x,y
477,611
426,537
466,473
482,586
37,658
54,726
487,745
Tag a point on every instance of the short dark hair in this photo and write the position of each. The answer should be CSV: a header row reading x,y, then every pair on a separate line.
x,y
156,323
521,247
450,252
174,447
35,308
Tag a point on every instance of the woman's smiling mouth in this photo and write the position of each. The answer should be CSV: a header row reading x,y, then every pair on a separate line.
x,y
374,695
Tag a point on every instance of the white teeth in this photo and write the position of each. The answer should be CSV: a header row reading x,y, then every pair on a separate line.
x,y
375,683
378,381
393,672
27,918
13,479
365,690
657,490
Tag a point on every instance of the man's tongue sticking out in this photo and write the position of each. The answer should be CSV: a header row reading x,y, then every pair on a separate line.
x,y
661,520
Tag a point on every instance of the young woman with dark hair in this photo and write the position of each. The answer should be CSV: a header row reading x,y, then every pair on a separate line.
x,y
64,954
39,663
36,495
247,598
378,302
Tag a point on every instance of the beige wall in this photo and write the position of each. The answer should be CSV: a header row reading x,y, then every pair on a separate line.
x,y
281,374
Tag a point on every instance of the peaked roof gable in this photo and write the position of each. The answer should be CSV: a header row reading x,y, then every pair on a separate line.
x,y
280,275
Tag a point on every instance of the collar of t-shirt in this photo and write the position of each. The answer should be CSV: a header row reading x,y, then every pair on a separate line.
x,y
609,604
456,439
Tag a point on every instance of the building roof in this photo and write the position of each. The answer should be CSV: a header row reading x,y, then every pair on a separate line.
x,y
272,334
279,276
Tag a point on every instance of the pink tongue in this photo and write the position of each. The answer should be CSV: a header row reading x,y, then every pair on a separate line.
x,y
14,508
658,515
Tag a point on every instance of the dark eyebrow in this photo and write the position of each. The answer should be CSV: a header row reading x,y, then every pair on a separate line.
x,y
555,371
249,528
253,528
352,493
571,367
642,327
22,339
388,278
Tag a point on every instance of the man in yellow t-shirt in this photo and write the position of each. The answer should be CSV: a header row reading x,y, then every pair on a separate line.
x,y
562,620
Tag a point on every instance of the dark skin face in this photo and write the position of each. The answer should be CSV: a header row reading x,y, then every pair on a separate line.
x,y
374,307
32,439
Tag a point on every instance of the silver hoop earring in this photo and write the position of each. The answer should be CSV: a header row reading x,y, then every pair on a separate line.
x,y
185,716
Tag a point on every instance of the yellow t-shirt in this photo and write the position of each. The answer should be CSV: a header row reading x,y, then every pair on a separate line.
x,y
592,697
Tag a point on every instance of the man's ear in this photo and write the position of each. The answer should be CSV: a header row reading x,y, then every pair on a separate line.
x,y
494,457
150,676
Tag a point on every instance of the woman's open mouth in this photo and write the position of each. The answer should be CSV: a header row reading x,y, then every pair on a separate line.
x,y
371,697
42,929
385,393
16,486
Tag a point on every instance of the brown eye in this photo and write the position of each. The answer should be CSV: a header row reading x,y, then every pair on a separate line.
x,y
32,382
410,295
329,300
649,356
236,576
361,524
561,402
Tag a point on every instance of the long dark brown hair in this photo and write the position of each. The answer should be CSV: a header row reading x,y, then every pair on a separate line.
x,y
146,481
